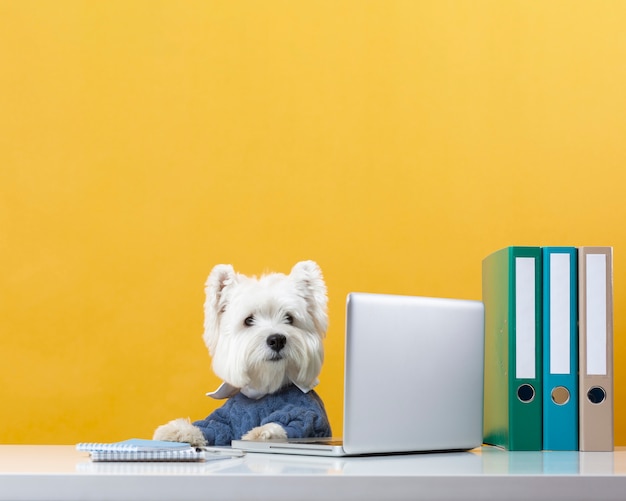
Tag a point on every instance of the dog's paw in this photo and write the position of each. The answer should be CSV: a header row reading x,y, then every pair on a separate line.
x,y
269,431
180,430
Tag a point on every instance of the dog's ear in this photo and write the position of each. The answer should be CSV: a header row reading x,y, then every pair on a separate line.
x,y
310,283
220,278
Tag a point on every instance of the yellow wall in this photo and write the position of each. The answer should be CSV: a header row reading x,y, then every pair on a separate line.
x,y
396,143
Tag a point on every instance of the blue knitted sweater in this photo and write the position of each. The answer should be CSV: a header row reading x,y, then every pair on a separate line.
x,y
301,414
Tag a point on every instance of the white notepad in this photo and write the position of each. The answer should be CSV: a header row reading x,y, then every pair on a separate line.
x,y
137,449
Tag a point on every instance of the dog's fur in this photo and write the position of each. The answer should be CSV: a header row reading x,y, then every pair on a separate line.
x,y
263,335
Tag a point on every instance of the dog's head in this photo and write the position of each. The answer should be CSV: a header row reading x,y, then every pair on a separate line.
x,y
262,333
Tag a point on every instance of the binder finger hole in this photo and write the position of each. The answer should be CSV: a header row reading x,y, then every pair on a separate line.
x,y
596,395
560,395
526,393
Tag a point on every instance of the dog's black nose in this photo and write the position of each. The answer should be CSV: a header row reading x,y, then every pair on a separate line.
x,y
276,342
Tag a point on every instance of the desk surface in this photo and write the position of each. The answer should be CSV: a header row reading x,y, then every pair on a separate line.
x,y
34,472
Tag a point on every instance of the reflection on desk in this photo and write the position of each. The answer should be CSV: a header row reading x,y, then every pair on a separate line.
x,y
490,461
62,473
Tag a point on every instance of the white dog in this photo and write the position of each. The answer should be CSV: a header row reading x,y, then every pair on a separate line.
x,y
265,338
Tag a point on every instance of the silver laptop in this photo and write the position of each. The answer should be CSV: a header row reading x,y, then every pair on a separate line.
x,y
413,379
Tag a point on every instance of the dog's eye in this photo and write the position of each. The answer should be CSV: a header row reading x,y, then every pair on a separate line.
x,y
288,319
249,321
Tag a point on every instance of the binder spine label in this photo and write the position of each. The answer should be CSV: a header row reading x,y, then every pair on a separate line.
x,y
596,315
525,318
560,313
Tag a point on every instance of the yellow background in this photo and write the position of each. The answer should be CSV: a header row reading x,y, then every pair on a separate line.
x,y
395,143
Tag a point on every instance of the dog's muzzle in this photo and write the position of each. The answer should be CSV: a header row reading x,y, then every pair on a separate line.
x,y
276,342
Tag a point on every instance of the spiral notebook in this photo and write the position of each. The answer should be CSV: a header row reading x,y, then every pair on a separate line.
x,y
137,449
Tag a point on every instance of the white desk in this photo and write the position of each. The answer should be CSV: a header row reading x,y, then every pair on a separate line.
x,y
32,472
